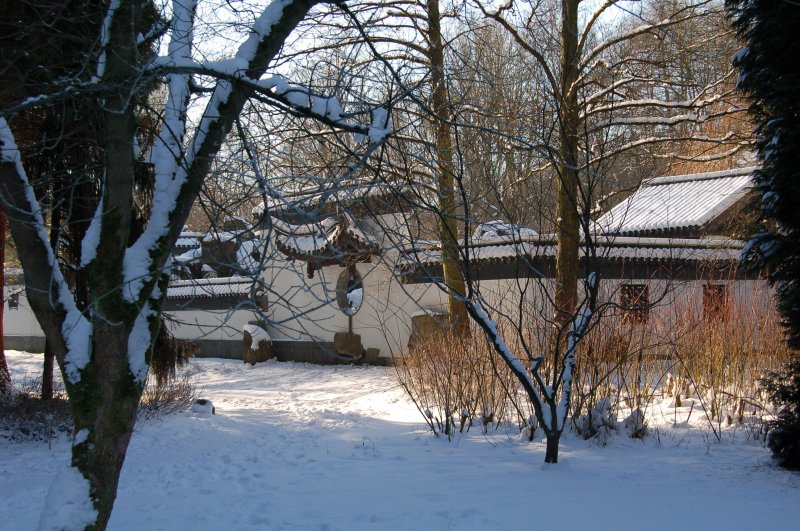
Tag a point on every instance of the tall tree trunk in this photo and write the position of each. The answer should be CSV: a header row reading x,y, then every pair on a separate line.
x,y
5,375
47,370
109,422
448,209
104,426
568,217
104,381
49,353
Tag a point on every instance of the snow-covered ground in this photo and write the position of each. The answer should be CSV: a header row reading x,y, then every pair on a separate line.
x,y
295,446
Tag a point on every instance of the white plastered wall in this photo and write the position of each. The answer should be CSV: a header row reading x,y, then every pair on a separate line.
x,y
19,321
224,325
303,309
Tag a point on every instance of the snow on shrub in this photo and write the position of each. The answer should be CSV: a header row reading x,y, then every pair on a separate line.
x,y
600,423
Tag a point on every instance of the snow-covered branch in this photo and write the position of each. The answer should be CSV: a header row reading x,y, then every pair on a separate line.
x,y
105,33
652,104
43,274
587,29
578,328
610,151
183,180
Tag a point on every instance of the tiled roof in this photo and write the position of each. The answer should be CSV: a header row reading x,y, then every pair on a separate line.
x,y
227,287
185,242
330,238
607,248
682,202
339,195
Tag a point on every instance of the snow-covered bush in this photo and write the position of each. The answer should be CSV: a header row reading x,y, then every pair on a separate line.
x,y
635,425
600,423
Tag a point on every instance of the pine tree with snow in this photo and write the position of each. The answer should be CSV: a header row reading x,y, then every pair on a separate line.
x,y
769,76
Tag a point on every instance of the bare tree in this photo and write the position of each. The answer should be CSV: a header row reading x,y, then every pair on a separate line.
x,y
104,352
421,42
610,95
609,98
442,112
408,41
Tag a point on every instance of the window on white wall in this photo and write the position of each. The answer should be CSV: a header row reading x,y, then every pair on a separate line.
x,y
635,302
716,302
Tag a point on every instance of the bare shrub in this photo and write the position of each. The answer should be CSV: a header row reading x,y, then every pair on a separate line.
x,y
25,417
456,382
625,368
167,397
720,361
620,362
682,352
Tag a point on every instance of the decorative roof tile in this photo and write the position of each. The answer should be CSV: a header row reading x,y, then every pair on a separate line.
x,y
616,248
225,287
334,240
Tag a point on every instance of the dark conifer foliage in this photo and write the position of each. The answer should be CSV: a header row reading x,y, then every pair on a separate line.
x,y
770,77
784,437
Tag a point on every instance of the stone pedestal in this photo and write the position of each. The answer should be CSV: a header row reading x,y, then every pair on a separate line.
x,y
258,355
348,344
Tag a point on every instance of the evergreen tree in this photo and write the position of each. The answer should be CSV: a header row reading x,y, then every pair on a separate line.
x,y
769,77
784,437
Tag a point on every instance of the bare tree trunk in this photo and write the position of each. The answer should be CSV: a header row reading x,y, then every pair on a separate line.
x,y
47,371
105,426
448,210
104,394
49,354
104,381
568,218
5,375
551,451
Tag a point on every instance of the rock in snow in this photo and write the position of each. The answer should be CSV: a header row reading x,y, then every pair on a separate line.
x,y
203,406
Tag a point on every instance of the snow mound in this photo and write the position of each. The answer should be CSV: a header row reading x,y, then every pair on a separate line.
x,y
203,406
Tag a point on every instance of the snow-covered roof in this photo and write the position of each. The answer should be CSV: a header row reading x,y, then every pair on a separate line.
x,y
229,287
186,244
540,252
189,256
335,194
187,240
681,202
335,237
501,229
